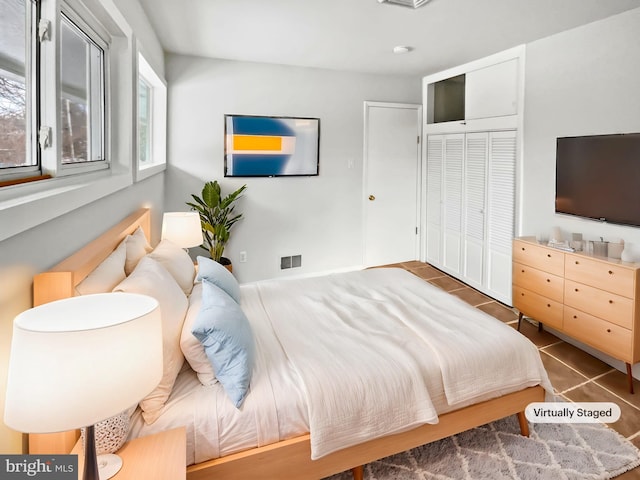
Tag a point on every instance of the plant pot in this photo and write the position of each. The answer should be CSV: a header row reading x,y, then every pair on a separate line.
x,y
226,263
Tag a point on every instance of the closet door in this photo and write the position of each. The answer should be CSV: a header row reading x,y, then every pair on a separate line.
x,y
475,181
435,159
452,197
500,213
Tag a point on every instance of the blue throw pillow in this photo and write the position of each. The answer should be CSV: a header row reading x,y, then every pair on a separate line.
x,y
224,331
218,275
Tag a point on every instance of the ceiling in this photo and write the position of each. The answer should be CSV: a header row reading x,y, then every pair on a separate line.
x,y
359,35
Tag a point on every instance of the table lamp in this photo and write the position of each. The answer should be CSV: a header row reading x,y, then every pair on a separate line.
x,y
182,228
80,360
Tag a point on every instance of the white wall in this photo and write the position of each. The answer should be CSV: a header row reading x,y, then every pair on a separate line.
x,y
319,217
580,82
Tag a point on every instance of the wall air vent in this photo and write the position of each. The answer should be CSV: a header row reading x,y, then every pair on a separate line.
x,y
406,3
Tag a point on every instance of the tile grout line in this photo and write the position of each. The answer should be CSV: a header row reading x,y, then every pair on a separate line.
x,y
573,368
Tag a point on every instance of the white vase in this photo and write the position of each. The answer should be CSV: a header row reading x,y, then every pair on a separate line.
x,y
110,434
631,253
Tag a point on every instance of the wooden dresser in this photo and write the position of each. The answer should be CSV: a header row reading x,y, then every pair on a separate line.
x,y
592,299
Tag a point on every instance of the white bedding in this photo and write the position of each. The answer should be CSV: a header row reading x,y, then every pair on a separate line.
x,y
327,345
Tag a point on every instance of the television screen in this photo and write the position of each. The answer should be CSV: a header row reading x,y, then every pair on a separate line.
x,y
599,177
260,146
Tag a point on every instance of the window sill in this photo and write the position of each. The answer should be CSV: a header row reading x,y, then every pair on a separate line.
x,y
28,205
149,171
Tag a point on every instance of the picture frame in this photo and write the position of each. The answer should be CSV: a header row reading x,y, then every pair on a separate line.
x,y
271,146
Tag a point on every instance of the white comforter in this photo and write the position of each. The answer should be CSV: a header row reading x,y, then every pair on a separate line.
x,y
364,342
326,348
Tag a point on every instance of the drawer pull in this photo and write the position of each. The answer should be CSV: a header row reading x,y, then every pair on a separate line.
x,y
548,305
610,301
523,249
576,289
610,272
522,271
549,280
577,262
549,255
608,330
575,316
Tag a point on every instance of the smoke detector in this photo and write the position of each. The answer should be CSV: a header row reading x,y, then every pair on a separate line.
x,y
406,3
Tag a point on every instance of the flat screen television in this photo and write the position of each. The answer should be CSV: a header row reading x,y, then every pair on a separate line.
x,y
598,177
262,146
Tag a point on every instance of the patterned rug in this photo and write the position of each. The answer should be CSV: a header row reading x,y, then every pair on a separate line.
x,y
497,451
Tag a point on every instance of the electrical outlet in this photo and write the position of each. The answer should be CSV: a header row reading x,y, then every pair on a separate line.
x,y
243,257
296,261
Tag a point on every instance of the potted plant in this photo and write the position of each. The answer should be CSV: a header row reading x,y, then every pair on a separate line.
x,y
217,217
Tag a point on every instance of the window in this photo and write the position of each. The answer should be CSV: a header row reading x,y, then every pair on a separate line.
x,y
17,19
144,122
67,76
152,120
50,127
81,95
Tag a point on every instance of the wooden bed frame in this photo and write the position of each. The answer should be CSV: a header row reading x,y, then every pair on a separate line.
x,y
285,459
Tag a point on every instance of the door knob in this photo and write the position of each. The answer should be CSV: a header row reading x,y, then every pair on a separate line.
x,y
372,197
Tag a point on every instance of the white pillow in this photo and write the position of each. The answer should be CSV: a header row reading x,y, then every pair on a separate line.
x,y
151,278
106,275
177,262
191,347
137,247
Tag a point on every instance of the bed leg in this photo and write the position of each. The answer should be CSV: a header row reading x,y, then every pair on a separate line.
x,y
520,315
358,472
524,425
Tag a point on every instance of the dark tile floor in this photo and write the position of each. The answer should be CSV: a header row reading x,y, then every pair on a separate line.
x,y
575,374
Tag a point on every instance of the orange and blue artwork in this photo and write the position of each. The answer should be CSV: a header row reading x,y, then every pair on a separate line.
x,y
260,146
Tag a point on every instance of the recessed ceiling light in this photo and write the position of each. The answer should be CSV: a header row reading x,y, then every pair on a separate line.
x,y
402,49
406,3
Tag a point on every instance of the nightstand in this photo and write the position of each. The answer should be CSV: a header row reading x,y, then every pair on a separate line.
x,y
162,456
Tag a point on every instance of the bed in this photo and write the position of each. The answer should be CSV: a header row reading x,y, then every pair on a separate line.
x,y
268,437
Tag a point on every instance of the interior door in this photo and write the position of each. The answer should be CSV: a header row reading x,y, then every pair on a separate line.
x,y
453,185
475,180
391,180
434,163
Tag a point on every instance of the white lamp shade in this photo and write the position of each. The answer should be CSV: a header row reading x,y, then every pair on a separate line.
x,y
80,360
182,228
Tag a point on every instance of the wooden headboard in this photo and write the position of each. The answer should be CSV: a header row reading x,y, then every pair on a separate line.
x,y
60,282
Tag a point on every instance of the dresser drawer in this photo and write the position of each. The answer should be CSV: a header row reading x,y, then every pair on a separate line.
x,y
601,274
534,305
605,336
538,281
602,304
543,258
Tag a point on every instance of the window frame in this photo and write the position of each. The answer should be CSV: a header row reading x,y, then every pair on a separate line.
x,y
157,120
31,97
52,162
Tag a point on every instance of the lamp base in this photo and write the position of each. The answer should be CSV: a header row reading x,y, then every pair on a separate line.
x,y
108,465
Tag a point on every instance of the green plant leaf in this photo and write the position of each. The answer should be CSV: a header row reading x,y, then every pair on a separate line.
x,y
216,216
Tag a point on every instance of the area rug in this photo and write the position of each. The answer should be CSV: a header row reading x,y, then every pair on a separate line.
x,y
497,451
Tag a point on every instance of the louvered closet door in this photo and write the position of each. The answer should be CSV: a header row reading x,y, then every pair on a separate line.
x,y
475,181
452,196
501,213
435,158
